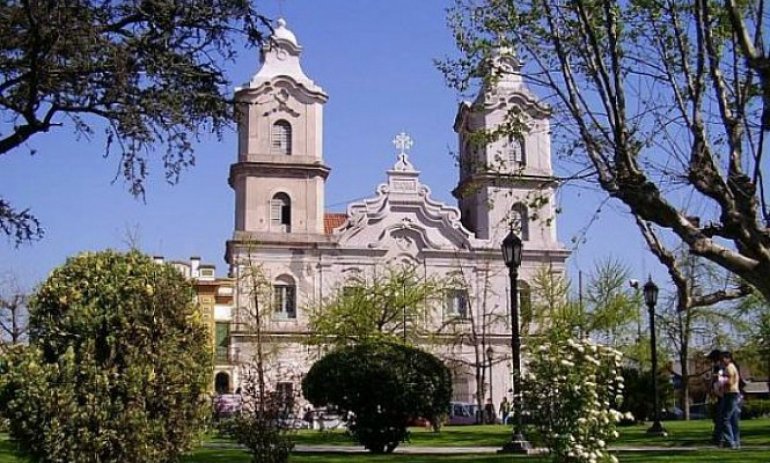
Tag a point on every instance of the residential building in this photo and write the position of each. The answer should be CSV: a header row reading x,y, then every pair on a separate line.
x,y
215,297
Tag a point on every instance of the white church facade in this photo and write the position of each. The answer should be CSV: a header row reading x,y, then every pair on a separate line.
x,y
280,220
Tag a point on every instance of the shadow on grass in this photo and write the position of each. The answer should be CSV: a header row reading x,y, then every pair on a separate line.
x,y
693,433
358,458
700,456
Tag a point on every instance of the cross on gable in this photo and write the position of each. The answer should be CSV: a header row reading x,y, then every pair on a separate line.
x,y
403,143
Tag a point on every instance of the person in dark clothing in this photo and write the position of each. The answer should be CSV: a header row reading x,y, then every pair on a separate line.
x,y
715,357
489,412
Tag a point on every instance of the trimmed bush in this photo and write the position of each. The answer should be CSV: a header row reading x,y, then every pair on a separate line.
x,y
384,386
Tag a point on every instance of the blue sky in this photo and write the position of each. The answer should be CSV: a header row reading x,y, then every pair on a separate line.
x,y
375,60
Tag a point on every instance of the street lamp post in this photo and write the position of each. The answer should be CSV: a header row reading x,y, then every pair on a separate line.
x,y
490,354
511,248
651,298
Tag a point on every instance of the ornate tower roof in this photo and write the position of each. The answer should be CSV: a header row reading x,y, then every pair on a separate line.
x,y
280,58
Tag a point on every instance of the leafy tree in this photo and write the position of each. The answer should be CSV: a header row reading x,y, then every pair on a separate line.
x,y
661,103
608,313
694,319
384,385
145,72
474,329
384,305
638,389
756,315
118,365
262,423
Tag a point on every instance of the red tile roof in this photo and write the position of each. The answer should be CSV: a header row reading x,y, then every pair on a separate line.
x,y
332,221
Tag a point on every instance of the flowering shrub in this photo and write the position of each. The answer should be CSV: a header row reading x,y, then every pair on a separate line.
x,y
571,389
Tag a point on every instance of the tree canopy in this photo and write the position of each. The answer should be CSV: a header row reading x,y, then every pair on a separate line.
x,y
384,385
147,73
663,104
382,305
118,365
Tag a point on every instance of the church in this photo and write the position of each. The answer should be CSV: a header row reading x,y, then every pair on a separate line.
x,y
307,254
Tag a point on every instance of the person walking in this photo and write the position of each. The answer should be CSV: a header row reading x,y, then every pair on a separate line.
x,y
731,434
716,393
505,410
489,412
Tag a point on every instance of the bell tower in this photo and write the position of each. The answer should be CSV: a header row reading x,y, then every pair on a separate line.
x,y
506,180
280,175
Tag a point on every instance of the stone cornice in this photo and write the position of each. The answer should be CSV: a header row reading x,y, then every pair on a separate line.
x,y
282,170
482,179
244,241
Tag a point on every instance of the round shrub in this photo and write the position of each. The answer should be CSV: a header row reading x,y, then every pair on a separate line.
x,y
384,386
118,365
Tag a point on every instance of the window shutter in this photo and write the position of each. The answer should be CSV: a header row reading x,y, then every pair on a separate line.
x,y
291,306
276,207
281,138
278,298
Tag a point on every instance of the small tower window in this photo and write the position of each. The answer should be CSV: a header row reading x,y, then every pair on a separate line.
x,y
520,220
280,213
515,152
281,137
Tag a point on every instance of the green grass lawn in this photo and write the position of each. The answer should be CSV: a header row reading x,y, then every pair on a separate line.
x,y
683,434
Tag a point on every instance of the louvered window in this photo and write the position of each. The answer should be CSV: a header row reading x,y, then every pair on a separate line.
x,y
280,213
520,217
281,137
515,149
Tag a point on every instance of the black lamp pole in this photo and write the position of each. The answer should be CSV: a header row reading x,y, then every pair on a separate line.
x,y
490,354
512,256
651,298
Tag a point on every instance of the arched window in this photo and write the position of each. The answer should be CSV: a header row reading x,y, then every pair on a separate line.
x,y
222,383
281,137
280,213
520,220
515,152
285,297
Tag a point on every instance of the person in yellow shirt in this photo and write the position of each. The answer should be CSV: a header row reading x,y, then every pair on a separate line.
x,y
731,435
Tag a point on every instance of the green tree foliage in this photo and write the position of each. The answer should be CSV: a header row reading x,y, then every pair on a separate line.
x,y
117,368
755,353
147,73
637,395
380,306
384,385
664,104
608,312
262,424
